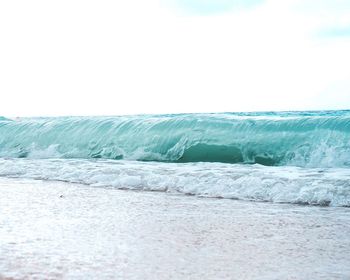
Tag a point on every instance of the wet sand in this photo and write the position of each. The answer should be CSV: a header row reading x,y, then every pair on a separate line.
x,y
55,230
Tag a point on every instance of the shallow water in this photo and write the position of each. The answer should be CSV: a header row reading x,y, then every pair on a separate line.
x,y
51,230
282,184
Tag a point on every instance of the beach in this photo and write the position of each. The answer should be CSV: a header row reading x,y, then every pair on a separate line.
x,y
175,139
58,230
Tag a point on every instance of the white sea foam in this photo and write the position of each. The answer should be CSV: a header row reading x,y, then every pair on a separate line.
x,y
247,182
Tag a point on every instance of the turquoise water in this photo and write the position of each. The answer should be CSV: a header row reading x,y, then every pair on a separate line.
x,y
288,157
306,139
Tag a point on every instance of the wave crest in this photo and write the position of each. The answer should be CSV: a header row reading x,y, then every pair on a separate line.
x,y
304,139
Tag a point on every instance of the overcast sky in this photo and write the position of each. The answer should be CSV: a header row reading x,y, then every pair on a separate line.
x,y
74,57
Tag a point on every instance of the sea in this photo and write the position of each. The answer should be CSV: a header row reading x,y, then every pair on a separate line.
x,y
252,189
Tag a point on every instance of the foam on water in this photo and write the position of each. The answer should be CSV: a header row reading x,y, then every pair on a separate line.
x,y
314,186
287,157
55,230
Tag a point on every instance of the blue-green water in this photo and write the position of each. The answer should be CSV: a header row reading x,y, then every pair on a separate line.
x,y
312,139
287,157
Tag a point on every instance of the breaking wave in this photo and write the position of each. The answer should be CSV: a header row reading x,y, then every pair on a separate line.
x,y
306,139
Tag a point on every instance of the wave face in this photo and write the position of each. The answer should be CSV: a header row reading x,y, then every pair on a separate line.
x,y
304,139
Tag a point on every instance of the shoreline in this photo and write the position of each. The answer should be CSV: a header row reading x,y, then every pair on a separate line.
x,y
63,230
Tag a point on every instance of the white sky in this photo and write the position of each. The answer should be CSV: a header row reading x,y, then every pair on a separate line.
x,y
90,57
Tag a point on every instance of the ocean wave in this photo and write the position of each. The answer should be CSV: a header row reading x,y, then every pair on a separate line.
x,y
305,139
